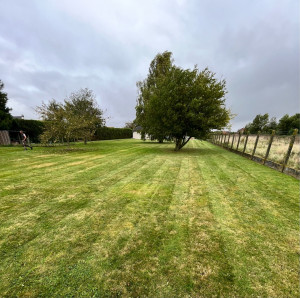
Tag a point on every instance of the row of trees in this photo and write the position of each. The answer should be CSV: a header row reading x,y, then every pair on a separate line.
x,y
176,103
264,124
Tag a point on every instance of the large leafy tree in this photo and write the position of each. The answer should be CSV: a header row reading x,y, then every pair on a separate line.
x,y
77,118
83,114
180,103
56,127
5,116
148,115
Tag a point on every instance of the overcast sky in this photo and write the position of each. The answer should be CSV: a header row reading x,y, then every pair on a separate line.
x,y
49,49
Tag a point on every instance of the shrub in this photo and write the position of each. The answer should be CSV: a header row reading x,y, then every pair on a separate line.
x,y
32,128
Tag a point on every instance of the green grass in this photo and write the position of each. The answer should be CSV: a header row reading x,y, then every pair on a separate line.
x,y
130,218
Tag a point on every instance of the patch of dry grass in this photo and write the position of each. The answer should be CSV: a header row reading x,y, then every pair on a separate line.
x,y
278,150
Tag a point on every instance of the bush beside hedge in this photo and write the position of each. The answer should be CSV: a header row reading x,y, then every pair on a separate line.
x,y
110,133
32,128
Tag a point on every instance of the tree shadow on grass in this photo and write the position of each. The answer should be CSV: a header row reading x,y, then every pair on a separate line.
x,y
189,151
66,150
168,148
154,143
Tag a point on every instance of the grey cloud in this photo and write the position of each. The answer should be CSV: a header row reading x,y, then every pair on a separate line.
x,y
52,48
262,69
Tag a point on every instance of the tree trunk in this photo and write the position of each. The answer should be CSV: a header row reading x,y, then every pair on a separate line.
x,y
180,142
85,140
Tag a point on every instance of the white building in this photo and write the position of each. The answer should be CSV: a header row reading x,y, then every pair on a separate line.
x,y
137,133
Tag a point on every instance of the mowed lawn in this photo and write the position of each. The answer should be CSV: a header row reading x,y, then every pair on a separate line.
x,y
132,218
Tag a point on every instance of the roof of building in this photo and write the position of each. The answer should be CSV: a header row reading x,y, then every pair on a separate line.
x,y
19,117
137,129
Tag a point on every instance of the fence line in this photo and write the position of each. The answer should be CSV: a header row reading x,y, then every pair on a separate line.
x,y
281,154
4,137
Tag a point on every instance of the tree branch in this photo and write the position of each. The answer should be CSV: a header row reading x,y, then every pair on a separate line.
x,y
184,143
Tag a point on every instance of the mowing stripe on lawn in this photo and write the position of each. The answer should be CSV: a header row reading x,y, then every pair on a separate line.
x,y
132,218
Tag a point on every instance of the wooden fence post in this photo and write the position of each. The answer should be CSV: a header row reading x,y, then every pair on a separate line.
x,y
232,141
269,146
224,143
222,139
287,156
228,140
246,142
255,145
237,146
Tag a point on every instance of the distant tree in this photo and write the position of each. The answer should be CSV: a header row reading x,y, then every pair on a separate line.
x,y
56,127
77,118
295,123
130,125
271,125
180,104
83,114
259,123
288,123
5,116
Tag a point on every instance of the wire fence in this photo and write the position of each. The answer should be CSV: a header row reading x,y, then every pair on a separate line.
x,y
283,150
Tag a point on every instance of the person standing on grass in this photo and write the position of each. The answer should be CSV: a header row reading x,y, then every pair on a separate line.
x,y
24,140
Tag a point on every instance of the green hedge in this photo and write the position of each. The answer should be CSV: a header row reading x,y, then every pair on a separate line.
x,y
32,128
109,133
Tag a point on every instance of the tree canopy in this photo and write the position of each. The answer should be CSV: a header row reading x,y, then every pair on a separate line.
x,y
83,114
176,103
5,116
287,124
130,125
77,118
284,126
259,123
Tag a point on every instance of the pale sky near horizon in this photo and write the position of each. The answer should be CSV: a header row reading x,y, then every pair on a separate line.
x,y
51,48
